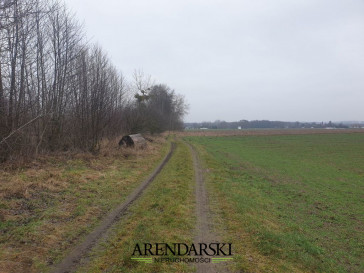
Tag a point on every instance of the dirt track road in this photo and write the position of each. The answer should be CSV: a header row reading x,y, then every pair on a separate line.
x,y
205,233
71,262
204,225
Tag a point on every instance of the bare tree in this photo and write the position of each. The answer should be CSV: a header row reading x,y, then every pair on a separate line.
x,y
58,92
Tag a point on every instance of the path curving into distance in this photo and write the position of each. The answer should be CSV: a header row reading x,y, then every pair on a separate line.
x,y
71,262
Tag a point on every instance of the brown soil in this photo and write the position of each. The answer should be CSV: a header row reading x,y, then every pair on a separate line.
x,y
72,261
263,132
205,232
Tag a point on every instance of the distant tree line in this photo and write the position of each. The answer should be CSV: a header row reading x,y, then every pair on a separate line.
x,y
59,92
262,124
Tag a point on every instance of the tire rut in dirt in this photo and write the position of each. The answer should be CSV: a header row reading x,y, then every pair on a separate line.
x,y
71,262
205,233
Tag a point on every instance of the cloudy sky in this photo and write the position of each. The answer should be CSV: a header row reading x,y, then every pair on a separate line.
x,y
292,60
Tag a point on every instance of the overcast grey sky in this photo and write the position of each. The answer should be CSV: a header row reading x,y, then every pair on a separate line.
x,y
264,59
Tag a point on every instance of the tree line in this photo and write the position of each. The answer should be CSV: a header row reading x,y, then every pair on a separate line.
x,y
262,124
59,92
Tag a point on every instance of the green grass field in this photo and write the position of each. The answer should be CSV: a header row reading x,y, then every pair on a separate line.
x,y
288,203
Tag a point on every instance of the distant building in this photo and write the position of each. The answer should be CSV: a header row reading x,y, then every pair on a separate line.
x,y
239,127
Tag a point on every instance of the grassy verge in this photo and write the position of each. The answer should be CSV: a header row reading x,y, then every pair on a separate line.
x,y
164,214
46,209
289,203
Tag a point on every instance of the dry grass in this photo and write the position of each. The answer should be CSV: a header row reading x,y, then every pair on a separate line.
x,y
48,204
164,213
